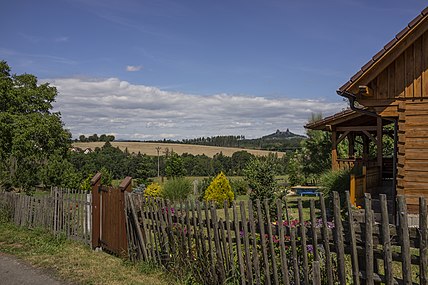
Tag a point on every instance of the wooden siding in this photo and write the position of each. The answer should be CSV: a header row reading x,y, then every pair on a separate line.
x,y
405,78
401,91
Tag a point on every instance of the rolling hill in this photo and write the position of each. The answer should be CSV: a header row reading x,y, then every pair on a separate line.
x,y
149,148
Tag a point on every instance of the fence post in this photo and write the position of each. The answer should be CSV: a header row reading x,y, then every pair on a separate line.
x,y
125,186
352,190
96,210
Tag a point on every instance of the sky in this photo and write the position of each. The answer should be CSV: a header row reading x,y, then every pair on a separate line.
x,y
175,69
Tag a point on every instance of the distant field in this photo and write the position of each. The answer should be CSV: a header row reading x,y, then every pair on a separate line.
x,y
150,148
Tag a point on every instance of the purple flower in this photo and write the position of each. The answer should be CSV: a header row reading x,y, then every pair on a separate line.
x,y
310,248
241,233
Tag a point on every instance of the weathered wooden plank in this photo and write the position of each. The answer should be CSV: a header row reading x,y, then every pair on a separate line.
x,y
382,85
400,76
229,237
303,241
409,71
313,230
270,240
404,236
224,248
353,242
425,64
386,242
218,247
238,244
326,241
391,82
254,242
284,265
263,242
423,246
209,240
368,213
246,243
316,272
418,68
338,236
294,254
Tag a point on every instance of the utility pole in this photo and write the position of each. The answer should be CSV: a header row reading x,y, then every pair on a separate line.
x,y
158,148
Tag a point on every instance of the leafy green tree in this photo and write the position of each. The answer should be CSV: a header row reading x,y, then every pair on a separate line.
x,y
174,165
219,191
60,172
30,132
317,150
260,175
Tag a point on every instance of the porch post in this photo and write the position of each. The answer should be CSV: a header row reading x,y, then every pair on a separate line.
x,y
334,164
379,146
366,143
351,146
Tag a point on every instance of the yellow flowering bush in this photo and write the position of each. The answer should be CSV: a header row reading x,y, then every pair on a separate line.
x,y
153,190
219,191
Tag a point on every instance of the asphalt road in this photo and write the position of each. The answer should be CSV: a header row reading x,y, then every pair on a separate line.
x,y
17,272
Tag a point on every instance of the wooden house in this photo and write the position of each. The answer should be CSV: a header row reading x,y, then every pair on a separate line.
x,y
388,97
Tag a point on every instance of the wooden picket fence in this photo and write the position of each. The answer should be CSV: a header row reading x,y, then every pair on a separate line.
x,y
62,212
245,246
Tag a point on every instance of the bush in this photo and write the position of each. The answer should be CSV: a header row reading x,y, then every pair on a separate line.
x,y
239,186
219,191
153,190
260,175
335,180
202,187
177,189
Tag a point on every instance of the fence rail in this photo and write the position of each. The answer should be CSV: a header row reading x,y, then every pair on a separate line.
x,y
244,245
62,212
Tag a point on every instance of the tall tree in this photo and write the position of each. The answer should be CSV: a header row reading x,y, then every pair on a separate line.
x,y
316,149
30,131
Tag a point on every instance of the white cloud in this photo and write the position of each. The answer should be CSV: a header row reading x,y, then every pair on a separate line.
x,y
133,68
144,112
62,39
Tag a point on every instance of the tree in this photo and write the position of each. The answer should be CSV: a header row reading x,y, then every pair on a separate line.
x,y
174,165
317,150
219,191
30,132
260,175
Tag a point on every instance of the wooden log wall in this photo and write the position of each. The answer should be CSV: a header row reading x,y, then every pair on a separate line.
x,y
246,247
400,91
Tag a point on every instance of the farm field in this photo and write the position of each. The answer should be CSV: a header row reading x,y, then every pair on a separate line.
x,y
149,148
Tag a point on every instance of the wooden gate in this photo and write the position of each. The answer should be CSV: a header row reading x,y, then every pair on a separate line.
x,y
108,216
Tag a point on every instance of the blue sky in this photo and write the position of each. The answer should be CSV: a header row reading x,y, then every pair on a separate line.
x,y
180,69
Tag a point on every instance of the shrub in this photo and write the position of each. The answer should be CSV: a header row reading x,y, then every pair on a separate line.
x,y
335,180
153,190
202,187
177,189
239,186
219,191
260,175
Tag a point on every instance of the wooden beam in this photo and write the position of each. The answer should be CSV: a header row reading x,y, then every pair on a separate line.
x,y
351,145
334,163
379,146
370,136
341,138
356,128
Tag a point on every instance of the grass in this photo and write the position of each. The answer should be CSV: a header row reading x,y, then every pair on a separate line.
x,y
75,262
150,148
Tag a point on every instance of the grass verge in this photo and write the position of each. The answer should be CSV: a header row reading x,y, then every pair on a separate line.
x,y
75,262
